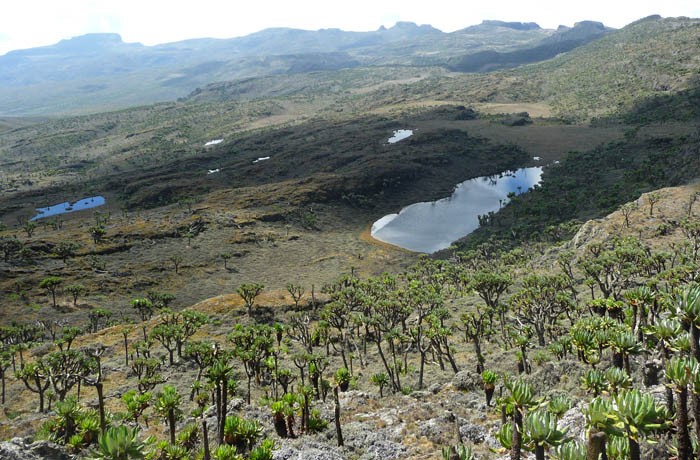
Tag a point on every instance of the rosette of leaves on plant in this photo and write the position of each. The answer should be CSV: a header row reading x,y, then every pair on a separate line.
x,y
488,381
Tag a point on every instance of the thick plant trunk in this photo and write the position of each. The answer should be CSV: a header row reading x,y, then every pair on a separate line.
x,y
694,342
479,356
338,429
171,423
617,360
517,434
101,405
451,359
540,336
280,425
489,389
695,404
205,441
219,429
41,401
596,445
539,452
224,409
635,453
684,446
422,368
386,366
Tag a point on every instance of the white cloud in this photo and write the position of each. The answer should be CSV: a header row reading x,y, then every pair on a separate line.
x,y
32,23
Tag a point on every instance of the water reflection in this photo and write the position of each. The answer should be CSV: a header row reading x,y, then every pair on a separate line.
x,y
62,208
431,226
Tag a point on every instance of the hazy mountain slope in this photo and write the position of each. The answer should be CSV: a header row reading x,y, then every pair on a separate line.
x,y
649,59
565,39
99,71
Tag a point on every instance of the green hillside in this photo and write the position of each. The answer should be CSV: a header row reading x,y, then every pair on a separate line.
x,y
228,301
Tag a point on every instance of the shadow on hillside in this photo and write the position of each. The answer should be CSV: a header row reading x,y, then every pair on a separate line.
x,y
683,106
263,314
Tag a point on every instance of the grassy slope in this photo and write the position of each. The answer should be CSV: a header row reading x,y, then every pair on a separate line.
x,y
605,77
612,73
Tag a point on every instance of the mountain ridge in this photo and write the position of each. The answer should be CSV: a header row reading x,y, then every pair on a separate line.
x,y
562,40
52,80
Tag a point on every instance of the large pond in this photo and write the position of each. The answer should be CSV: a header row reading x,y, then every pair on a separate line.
x,y
65,207
431,226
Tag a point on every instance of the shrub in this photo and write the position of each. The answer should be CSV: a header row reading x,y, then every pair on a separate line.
x,y
342,378
226,452
119,443
316,423
241,433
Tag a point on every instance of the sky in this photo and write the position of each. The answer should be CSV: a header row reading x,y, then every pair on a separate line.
x,y
32,23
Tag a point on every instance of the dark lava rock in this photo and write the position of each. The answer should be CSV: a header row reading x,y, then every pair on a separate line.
x,y
17,449
473,433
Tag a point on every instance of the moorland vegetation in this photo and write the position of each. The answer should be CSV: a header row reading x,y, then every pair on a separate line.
x,y
246,312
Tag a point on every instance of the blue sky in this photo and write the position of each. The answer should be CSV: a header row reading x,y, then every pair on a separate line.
x,y
31,23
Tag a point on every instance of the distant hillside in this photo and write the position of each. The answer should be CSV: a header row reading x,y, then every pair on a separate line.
x,y
98,72
510,25
578,73
649,58
563,40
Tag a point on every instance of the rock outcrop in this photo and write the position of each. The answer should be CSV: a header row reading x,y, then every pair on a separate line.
x,y
19,449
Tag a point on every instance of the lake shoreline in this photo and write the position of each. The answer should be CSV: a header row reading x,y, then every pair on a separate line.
x,y
431,226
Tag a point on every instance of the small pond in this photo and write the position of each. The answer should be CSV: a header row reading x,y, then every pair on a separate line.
x,y
431,226
62,208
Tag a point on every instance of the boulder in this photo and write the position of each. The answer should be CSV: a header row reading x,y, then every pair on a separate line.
x,y
384,450
467,381
574,422
17,449
437,430
435,388
309,451
48,450
471,432
13,450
